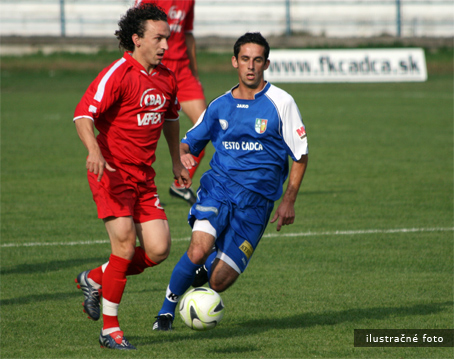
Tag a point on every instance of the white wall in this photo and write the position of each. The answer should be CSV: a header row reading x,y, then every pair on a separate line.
x,y
335,18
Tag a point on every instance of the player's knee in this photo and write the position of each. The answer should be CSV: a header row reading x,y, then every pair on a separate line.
x,y
158,254
159,257
222,276
124,250
197,254
219,286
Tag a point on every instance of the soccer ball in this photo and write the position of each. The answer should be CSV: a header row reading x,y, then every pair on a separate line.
x,y
201,308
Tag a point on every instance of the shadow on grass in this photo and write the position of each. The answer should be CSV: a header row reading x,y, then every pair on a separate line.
x,y
47,267
350,315
301,321
35,298
55,265
54,296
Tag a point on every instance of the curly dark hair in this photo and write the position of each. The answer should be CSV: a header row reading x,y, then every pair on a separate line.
x,y
251,38
133,22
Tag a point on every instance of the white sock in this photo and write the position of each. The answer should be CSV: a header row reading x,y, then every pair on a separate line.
x,y
110,330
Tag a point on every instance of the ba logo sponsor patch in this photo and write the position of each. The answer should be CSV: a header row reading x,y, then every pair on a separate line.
x,y
153,100
247,249
260,125
301,132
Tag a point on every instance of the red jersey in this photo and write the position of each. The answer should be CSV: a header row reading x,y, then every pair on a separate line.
x,y
129,107
180,16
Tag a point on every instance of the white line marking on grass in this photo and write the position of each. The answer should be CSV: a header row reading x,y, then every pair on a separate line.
x,y
43,244
271,235
366,231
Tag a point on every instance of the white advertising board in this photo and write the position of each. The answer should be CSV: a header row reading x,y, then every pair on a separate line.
x,y
355,65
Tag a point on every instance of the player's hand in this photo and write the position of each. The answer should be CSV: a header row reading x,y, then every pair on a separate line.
x,y
285,214
182,176
96,164
188,160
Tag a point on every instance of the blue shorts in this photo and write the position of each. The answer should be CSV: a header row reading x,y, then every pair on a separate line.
x,y
238,215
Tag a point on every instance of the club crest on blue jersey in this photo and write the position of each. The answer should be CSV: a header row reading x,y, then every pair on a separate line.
x,y
224,124
260,125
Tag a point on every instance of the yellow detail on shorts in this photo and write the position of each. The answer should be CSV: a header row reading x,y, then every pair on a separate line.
x,y
247,249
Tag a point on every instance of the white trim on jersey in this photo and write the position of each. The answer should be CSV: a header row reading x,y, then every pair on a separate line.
x,y
224,257
204,225
290,118
102,84
199,121
78,117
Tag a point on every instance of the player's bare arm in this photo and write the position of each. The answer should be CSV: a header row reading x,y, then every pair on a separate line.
x,y
286,210
191,51
95,160
172,133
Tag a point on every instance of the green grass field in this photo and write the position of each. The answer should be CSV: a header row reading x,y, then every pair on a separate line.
x,y
371,247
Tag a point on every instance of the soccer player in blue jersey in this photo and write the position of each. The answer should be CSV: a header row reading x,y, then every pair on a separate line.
x,y
254,128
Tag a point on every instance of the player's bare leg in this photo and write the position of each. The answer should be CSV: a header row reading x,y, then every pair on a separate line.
x,y
200,247
122,234
154,238
222,276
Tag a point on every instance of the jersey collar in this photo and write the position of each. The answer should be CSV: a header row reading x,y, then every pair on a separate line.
x,y
136,64
257,95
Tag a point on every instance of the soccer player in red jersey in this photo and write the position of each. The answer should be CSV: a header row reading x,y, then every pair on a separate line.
x,y
130,102
181,59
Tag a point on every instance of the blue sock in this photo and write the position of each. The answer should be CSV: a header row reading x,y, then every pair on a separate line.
x,y
181,279
209,263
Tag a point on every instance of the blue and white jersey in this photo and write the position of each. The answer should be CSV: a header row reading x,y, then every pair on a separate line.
x,y
252,139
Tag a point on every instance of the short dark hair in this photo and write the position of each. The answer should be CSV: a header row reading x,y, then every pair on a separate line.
x,y
133,22
251,38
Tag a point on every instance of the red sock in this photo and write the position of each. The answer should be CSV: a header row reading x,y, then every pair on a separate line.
x,y
96,275
114,285
140,262
194,168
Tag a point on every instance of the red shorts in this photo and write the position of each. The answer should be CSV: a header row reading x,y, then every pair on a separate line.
x,y
120,195
189,88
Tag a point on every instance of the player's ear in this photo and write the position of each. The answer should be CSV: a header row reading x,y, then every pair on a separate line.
x,y
136,40
234,62
267,64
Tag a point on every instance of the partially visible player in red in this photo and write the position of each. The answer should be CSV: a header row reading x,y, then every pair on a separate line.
x,y
181,59
130,103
